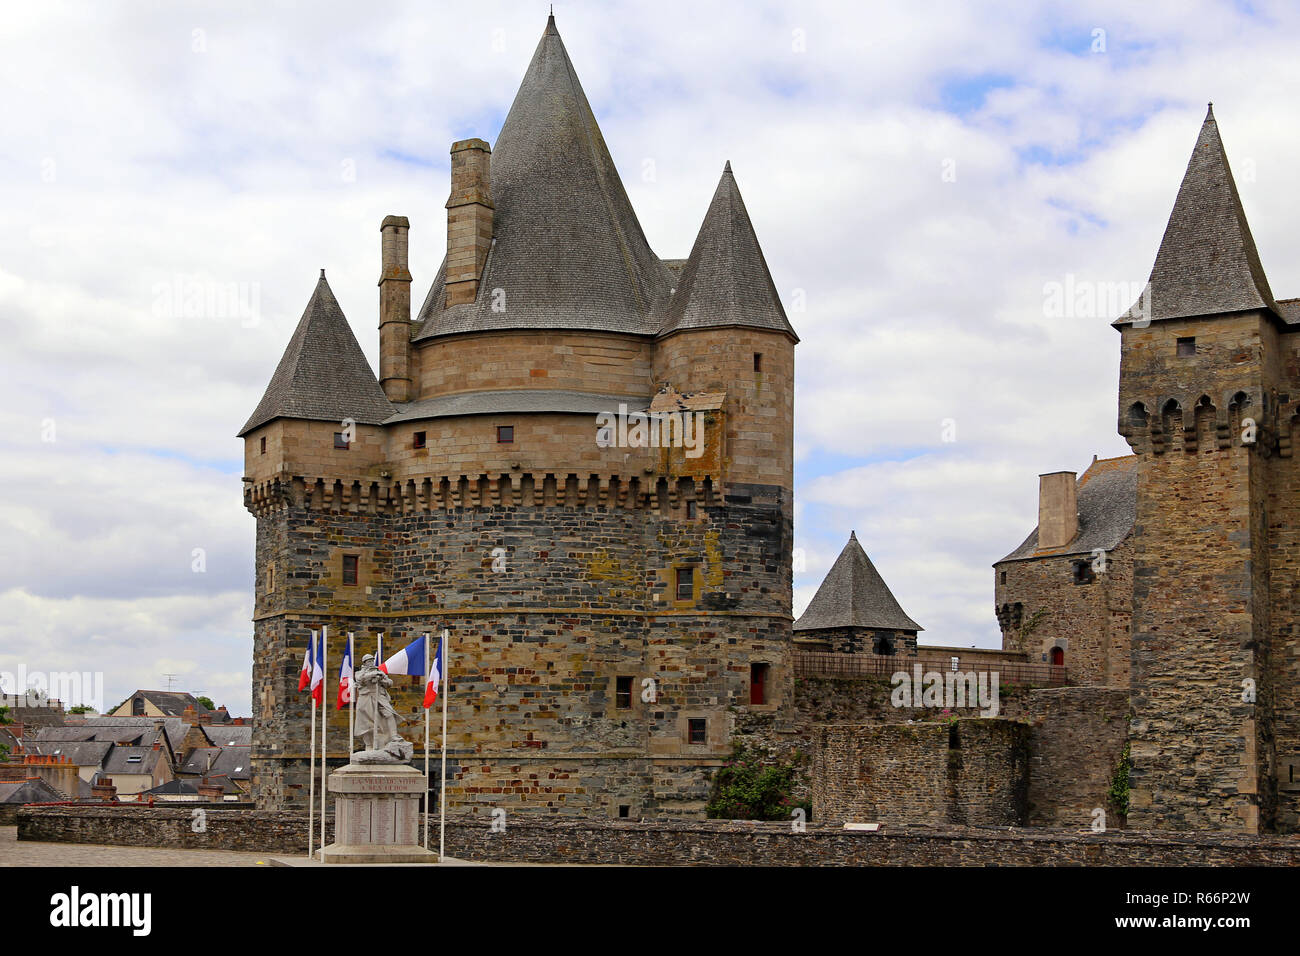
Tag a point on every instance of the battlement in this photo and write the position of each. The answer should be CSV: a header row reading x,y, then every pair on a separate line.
x,y
451,491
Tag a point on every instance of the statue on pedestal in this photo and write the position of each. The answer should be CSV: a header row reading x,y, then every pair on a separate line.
x,y
377,718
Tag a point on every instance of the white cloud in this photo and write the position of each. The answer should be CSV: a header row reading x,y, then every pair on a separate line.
x,y
139,153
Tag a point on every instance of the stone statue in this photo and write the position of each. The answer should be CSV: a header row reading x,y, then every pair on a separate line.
x,y
377,718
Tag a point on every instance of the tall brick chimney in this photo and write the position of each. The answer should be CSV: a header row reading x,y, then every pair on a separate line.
x,y
469,219
1058,510
395,310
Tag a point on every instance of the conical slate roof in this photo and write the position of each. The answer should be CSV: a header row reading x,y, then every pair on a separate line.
x,y
568,251
323,374
1207,263
726,281
854,595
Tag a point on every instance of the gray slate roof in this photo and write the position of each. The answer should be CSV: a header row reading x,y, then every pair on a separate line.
x,y
89,753
854,594
34,790
510,401
323,374
726,280
171,702
1107,497
225,735
119,760
1207,262
568,249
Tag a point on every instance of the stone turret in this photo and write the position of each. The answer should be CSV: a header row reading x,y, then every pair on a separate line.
x,y
395,310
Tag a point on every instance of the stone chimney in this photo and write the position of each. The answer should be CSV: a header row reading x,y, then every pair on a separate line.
x,y
103,789
469,219
1058,510
210,790
395,310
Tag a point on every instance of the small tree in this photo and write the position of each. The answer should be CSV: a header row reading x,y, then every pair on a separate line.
x,y
753,786
206,702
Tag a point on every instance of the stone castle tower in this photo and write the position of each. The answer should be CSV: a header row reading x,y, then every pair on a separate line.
x,y
1208,399
615,603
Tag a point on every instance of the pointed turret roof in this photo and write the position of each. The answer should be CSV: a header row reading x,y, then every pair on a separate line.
x,y
567,250
726,281
854,595
1207,263
323,374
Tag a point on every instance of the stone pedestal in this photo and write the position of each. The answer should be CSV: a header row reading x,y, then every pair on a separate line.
x,y
377,815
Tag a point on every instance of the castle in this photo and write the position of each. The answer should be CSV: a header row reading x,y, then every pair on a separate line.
x,y
1173,573
615,595
619,596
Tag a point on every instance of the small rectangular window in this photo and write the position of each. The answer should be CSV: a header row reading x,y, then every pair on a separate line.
x,y
758,683
1187,346
623,693
270,577
1002,577
696,730
340,441
690,508
505,434
624,811
263,444
758,361
418,441
685,584
350,568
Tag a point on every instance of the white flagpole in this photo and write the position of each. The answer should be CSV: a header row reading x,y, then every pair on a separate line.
x,y
352,697
311,767
324,751
426,744
442,790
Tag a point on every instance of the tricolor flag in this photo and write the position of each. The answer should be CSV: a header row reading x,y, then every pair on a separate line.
x,y
318,672
305,677
409,660
345,675
435,676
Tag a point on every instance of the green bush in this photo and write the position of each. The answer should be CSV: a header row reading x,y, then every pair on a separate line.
x,y
1119,783
752,785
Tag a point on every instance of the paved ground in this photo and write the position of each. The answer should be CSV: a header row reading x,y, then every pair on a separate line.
x,y
14,852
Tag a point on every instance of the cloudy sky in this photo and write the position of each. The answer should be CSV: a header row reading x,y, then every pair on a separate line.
x,y
919,174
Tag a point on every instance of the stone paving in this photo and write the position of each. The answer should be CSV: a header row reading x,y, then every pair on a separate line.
x,y
14,852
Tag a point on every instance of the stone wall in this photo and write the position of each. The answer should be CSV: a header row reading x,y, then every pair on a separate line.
x,y
1076,740
1041,607
548,608
714,842
969,772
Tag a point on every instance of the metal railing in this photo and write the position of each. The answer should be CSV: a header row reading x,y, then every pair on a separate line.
x,y
831,664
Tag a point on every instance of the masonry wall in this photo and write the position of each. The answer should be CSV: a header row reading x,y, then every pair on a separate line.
x,y
1040,606
969,772
711,842
1201,752
547,608
1076,742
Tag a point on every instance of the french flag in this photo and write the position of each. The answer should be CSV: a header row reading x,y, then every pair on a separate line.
x,y
304,678
435,675
409,660
345,676
318,673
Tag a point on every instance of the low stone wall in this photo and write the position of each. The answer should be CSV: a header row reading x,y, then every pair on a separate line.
x,y
971,772
714,842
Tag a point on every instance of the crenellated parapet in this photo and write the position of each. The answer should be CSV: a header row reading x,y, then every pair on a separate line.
x,y
657,494
1193,421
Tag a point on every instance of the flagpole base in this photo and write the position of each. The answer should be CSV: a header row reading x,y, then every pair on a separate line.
x,y
377,814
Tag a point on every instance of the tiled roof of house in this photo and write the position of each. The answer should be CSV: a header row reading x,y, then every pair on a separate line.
x,y
853,594
726,281
323,374
227,735
1207,262
1107,499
